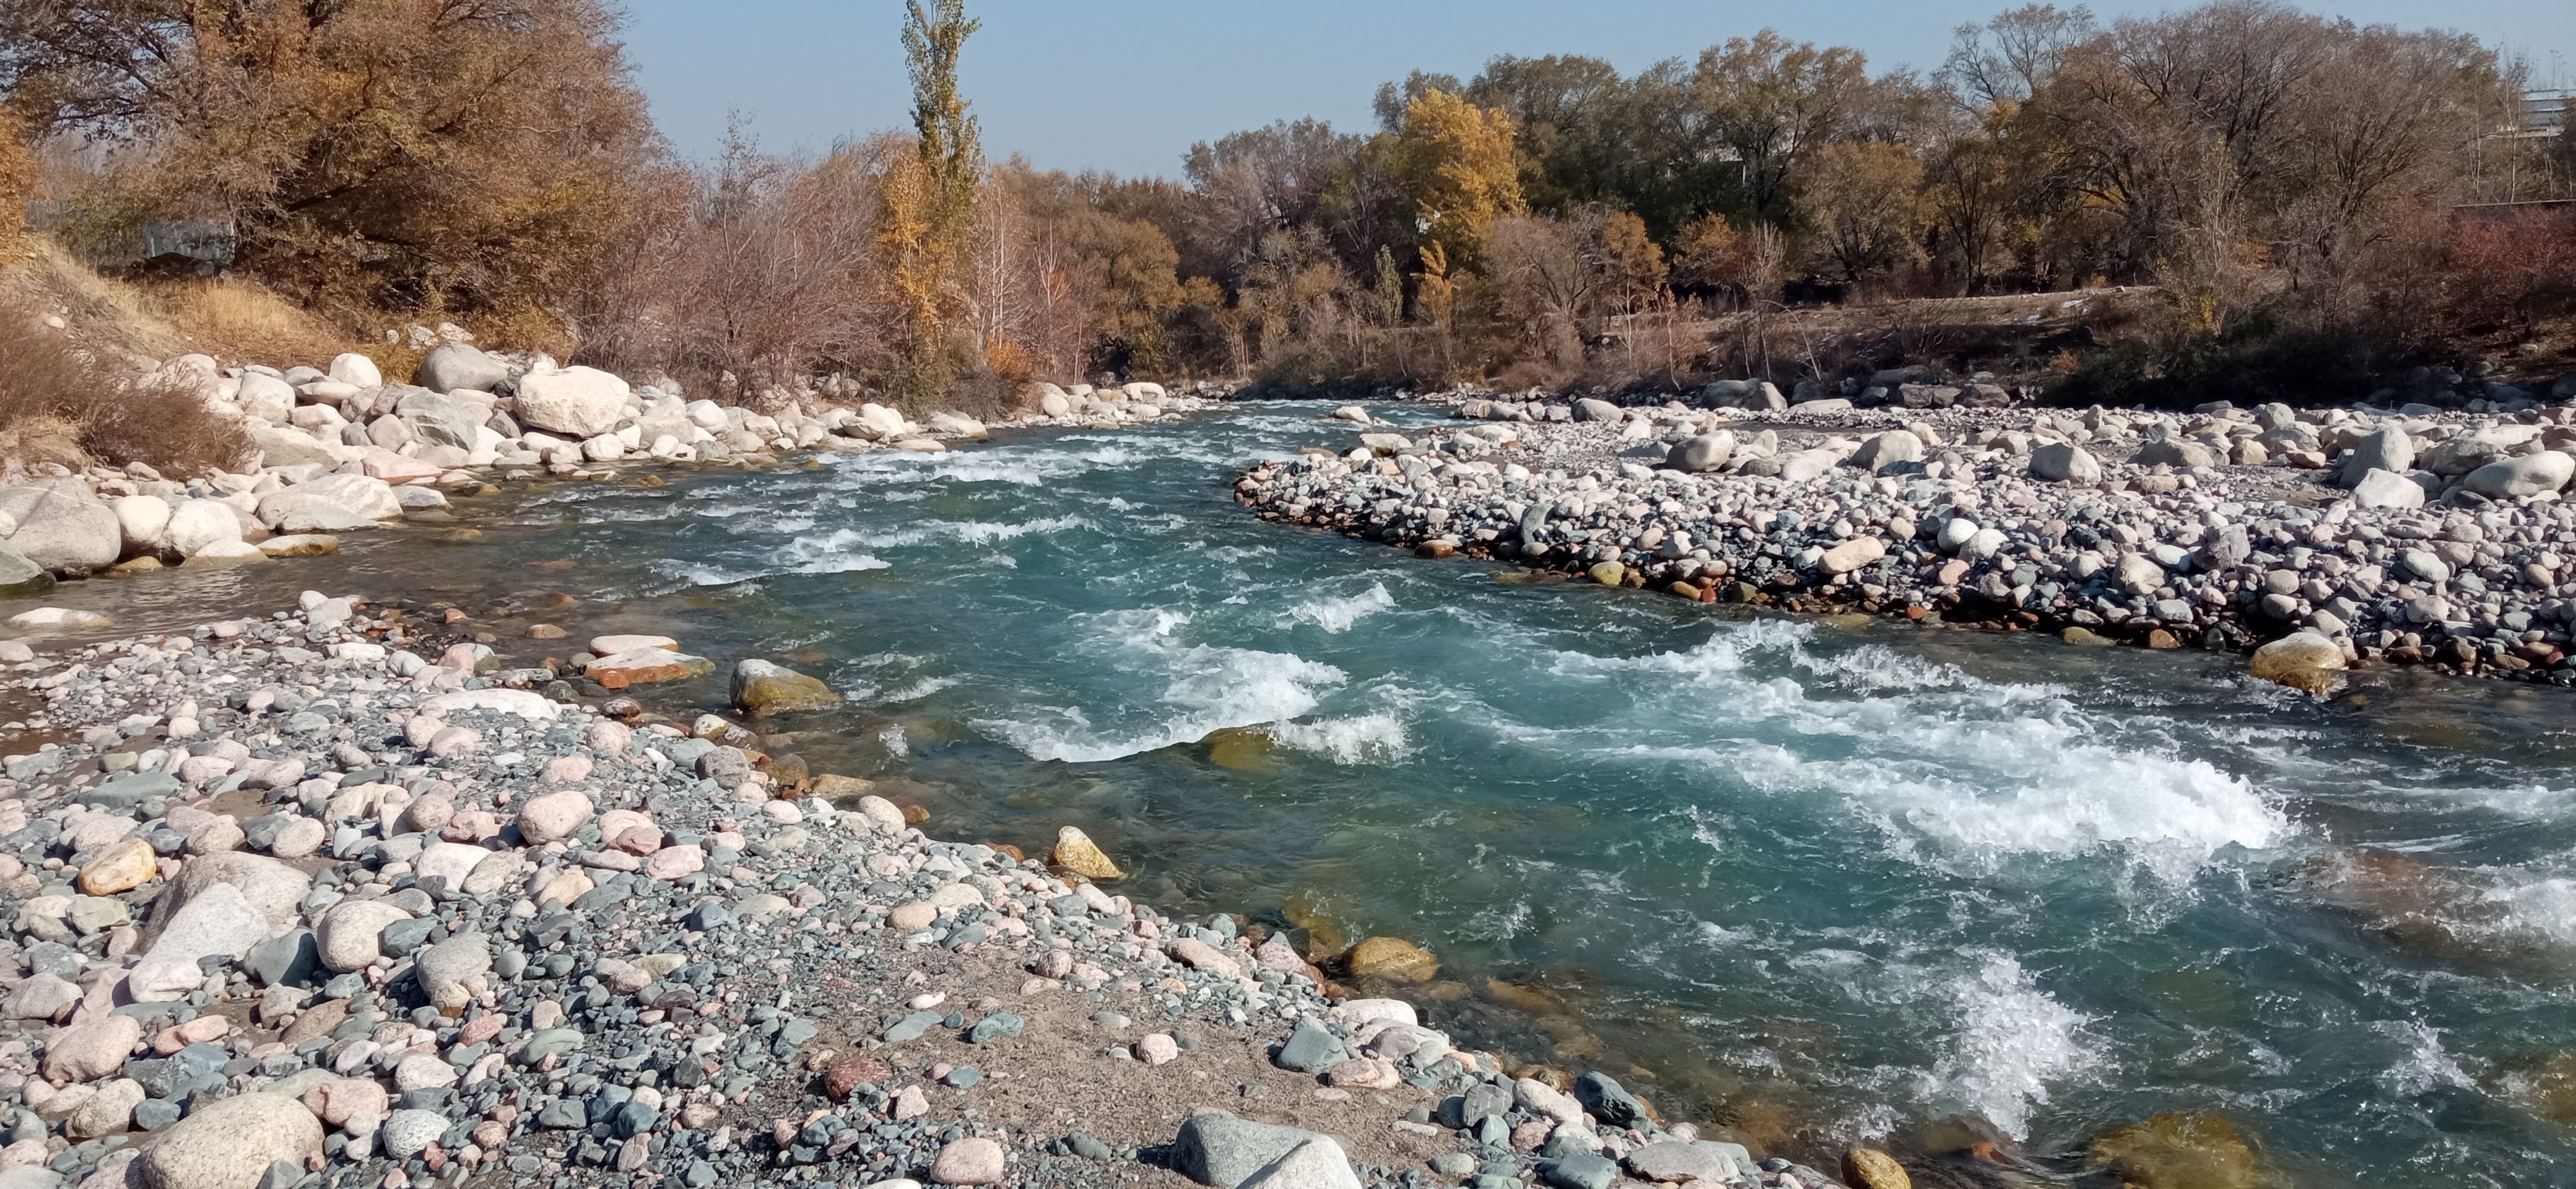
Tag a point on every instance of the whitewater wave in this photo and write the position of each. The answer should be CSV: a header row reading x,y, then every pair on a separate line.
x,y
1336,615
1206,689
2013,1043
1367,739
2426,1067
1952,768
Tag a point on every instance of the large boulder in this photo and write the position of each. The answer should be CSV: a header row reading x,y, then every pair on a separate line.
x,y
199,523
2387,489
2175,452
280,446
2065,462
357,370
1707,452
218,920
62,532
2524,477
437,420
1225,1151
461,366
2387,449
143,521
265,397
2460,455
19,574
272,888
761,688
330,503
581,401
231,1142
1885,450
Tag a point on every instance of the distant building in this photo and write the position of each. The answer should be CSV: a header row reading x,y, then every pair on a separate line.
x,y
204,246
2540,114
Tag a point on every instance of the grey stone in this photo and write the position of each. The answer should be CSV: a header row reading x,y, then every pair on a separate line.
x,y
1578,1172
912,1027
457,366
1311,1048
1706,452
2388,449
1608,1101
60,531
2065,462
438,420
2523,477
1225,1151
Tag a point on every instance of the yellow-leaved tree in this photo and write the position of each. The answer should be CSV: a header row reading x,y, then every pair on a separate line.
x,y
926,222
1866,208
17,185
1458,174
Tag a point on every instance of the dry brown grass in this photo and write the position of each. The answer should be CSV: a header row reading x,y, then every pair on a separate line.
x,y
60,403
238,320
233,320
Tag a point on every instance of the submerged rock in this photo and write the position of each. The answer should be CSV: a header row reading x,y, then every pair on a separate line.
x,y
2179,1151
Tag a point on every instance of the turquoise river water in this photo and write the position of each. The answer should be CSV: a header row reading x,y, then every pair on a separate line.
x,y
1822,882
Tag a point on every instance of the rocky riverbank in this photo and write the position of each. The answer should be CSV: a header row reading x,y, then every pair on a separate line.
x,y
341,450
294,902
2413,535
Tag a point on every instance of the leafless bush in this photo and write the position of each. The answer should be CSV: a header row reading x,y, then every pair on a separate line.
x,y
58,404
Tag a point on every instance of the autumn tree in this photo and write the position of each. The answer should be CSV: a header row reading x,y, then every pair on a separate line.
x,y
1864,209
480,157
927,218
17,184
1774,102
1250,184
1458,173
1999,65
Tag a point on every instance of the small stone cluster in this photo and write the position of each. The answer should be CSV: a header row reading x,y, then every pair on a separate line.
x,y
2416,535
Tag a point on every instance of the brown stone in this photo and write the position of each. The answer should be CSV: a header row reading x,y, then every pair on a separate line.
x,y
1869,1168
1529,999
833,788
123,866
1324,939
1240,748
324,1016
644,666
1075,852
2179,1151
1392,959
2162,639
850,1071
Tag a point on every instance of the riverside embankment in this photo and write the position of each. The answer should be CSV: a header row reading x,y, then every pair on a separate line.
x,y
1810,881
2417,535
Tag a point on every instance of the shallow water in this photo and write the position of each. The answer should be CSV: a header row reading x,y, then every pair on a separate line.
x,y
1820,882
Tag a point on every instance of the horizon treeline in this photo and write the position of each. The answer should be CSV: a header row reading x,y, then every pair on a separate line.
x,y
2275,176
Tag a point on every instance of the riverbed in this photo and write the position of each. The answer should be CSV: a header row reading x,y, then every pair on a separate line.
x,y
1817,880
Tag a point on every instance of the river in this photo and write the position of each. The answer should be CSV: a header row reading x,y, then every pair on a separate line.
x,y
1818,880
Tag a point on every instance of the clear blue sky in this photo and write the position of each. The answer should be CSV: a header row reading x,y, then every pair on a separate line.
x,y
1128,85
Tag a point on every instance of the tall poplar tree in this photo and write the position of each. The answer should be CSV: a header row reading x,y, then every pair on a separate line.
x,y
928,222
